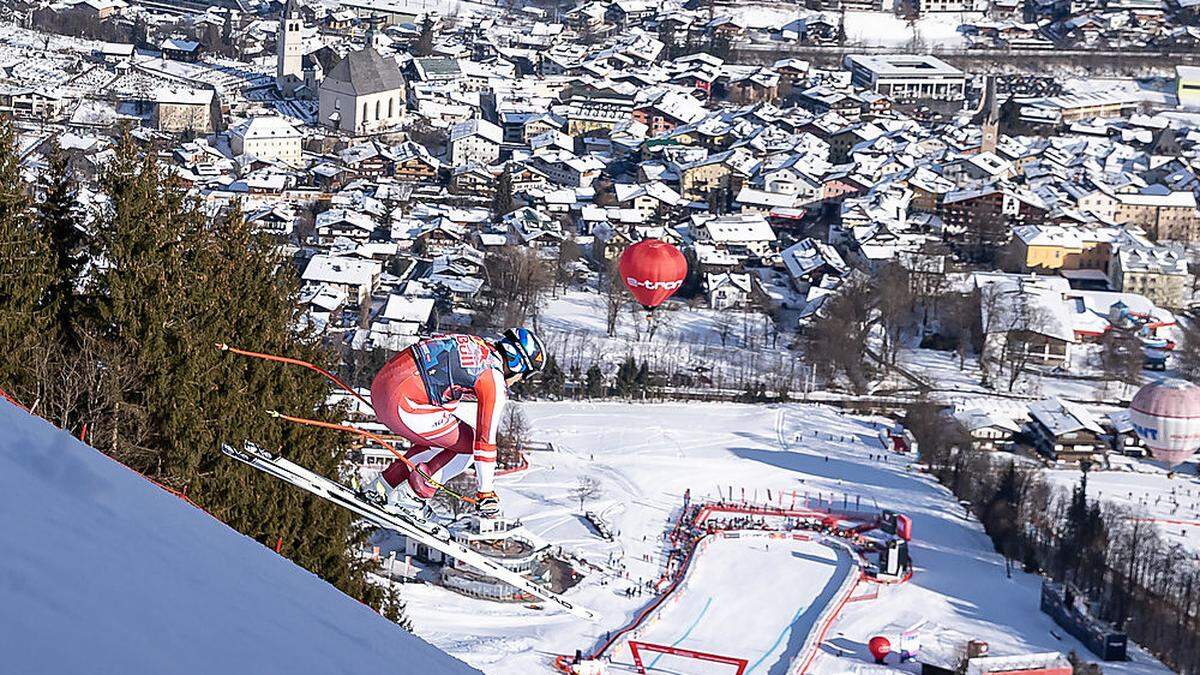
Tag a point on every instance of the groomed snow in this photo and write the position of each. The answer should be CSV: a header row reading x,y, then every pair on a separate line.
x,y
102,572
725,608
645,455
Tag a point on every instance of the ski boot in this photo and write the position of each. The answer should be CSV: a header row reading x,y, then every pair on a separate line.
x,y
400,500
488,504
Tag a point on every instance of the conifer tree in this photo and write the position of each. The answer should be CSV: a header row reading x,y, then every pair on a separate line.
x,y
61,223
24,278
424,43
176,283
502,199
595,382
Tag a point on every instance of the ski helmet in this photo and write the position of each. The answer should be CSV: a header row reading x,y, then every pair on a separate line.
x,y
523,351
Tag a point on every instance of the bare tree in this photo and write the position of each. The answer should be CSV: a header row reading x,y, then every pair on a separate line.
x,y
512,437
1121,359
613,290
519,279
958,319
461,484
1187,354
838,341
893,306
587,488
991,300
568,254
1026,328
929,286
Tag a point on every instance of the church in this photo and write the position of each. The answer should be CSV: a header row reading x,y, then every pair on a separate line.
x,y
364,93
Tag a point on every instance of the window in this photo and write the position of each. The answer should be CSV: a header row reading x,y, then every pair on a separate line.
x,y
377,108
364,115
391,107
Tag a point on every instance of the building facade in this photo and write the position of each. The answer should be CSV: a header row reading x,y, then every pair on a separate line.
x,y
907,76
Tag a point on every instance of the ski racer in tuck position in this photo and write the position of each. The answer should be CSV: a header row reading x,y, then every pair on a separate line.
x,y
415,395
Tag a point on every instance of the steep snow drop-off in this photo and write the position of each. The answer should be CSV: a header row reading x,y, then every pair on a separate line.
x,y
103,572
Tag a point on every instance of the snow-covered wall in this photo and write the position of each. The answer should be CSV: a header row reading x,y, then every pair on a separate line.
x,y
102,572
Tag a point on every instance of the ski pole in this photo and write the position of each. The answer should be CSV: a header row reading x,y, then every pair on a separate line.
x,y
378,439
297,362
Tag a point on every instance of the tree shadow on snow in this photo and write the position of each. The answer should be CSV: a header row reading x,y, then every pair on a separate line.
x,y
832,468
952,555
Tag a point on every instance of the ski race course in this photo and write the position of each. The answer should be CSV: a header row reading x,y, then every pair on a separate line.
x,y
690,566
724,606
741,597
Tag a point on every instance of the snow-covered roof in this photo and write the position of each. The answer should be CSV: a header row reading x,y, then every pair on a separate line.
x,y
975,419
355,219
340,270
265,126
183,96
407,309
809,254
323,297
477,127
739,228
1060,416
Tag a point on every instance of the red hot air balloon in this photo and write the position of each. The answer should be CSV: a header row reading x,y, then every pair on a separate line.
x,y
652,270
879,647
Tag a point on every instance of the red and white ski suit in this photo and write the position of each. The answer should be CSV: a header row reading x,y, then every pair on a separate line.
x,y
415,394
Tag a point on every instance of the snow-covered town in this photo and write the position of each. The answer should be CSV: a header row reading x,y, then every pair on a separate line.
x,y
600,336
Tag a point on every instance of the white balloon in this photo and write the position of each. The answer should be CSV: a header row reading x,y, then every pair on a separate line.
x,y
1166,416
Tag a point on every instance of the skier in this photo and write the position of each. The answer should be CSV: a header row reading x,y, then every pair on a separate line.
x,y
415,394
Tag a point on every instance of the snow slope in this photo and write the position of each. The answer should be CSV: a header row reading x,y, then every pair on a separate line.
x,y
644,457
102,572
725,608
1170,501
686,341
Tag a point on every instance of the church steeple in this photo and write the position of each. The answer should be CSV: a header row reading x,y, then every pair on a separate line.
x,y
289,51
374,36
990,109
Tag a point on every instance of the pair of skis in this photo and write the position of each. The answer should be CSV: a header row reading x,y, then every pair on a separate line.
x,y
410,524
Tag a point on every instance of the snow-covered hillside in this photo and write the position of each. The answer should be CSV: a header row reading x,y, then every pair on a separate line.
x,y
645,455
102,572
725,590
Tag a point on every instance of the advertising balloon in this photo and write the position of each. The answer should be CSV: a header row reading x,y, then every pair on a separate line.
x,y
1166,416
652,270
879,647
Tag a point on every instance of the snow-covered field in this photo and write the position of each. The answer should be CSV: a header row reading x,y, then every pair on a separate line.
x,y
736,346
645,456
102,572
1170,501
874,29
936,30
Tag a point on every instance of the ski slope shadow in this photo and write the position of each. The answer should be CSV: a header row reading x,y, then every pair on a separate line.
x,y
805,620
830,467
951,554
